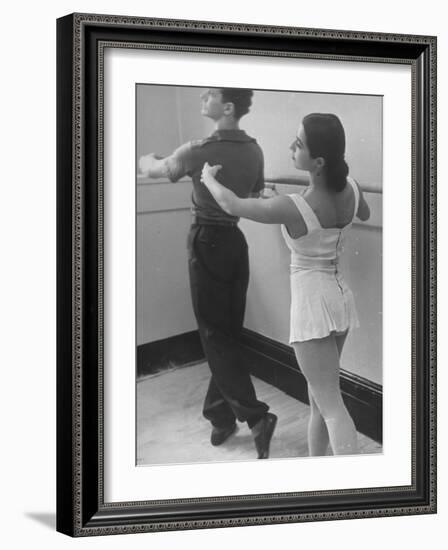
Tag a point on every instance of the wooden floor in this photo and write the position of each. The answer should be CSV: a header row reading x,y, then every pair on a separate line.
x,y
171,428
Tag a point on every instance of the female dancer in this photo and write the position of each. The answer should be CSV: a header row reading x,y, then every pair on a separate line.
x,y
322,306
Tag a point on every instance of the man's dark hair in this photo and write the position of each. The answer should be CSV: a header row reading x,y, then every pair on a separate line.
x,y
241,99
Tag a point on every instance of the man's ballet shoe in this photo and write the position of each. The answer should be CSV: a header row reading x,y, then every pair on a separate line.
x,y
263,431
219,435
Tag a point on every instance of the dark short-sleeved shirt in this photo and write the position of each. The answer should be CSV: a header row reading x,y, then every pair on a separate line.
x,y
242,170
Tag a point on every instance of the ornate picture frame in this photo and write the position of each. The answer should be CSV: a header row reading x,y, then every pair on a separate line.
x,y
81,507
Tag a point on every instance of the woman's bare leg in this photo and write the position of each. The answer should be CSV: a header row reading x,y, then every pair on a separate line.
x,y
317,430
319,362
318,438
340,338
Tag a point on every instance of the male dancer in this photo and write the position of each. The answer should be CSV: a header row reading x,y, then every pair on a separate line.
x,y
218,260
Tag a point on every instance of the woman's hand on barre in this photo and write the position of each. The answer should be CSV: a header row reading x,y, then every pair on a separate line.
x,y
270,190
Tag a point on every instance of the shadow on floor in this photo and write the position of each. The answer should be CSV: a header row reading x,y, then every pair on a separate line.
x,y
48,519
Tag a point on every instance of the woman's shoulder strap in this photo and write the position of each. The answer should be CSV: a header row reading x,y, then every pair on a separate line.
x,y
308,215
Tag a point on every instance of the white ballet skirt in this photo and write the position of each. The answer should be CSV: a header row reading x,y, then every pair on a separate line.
x,y
321,302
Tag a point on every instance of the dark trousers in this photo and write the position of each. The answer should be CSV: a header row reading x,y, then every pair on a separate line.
x,y
219,276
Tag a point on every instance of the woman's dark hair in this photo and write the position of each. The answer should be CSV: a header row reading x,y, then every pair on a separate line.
x,y
325,138
241,99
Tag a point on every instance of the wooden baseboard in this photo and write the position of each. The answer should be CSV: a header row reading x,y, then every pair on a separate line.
x,y
177,351
274,363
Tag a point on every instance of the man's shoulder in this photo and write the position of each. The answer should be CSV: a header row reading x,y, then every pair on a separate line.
x,y
221,138
199,147
195,144
189,148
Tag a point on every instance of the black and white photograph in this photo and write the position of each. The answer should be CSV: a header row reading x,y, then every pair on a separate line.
x,y
160,155
258,274
246,285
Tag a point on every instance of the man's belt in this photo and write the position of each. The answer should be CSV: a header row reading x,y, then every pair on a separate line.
x,y
197,220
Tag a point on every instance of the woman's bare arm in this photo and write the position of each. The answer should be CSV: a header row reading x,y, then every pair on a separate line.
x,y
276,210
363,208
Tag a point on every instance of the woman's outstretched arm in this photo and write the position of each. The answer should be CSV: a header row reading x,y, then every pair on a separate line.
x,y
280,209
363,208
